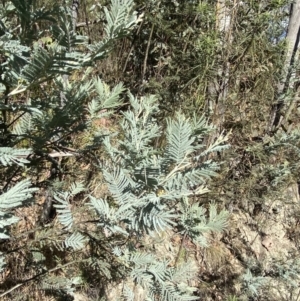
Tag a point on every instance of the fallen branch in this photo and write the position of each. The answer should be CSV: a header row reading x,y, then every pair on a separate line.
x,y
83,24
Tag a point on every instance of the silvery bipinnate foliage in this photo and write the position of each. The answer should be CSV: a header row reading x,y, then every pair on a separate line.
x,y
26,65
252,284
150,184
147,182
13,198
151,171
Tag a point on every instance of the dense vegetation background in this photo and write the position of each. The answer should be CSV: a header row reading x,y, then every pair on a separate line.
x,y
149,150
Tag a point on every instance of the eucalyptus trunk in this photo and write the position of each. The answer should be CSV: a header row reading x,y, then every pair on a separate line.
x,y
218,89
287,83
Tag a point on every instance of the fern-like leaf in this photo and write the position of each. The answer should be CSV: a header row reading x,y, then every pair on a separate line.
x,y
155,218
46,65
23,125
119,18
16,195
109,218
200,174
179,140
119,21
5,221
63,209
63,33
119,185
184,272
128,293
75,241
108,99
9,155
252,283
159,270
76,188
171,292
60,284
217,221
194,221
13,198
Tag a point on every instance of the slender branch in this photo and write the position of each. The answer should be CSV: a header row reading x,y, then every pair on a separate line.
x,y
290,108
16,119
4,113
86,21
39,275
293,40
180,248
13,175
176,169
75,7
54,155
84,24
131,48
12,289
147,52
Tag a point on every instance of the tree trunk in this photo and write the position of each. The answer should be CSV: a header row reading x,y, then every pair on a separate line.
x,y
292,39
75,7
218,89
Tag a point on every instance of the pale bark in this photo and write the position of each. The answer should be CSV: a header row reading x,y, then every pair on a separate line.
x,y
75,7
292,40
219,88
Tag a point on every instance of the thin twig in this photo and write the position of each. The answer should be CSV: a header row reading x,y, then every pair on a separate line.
x,y
53,155
12,289
86,23
131,48
147,52
180,248
40,274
